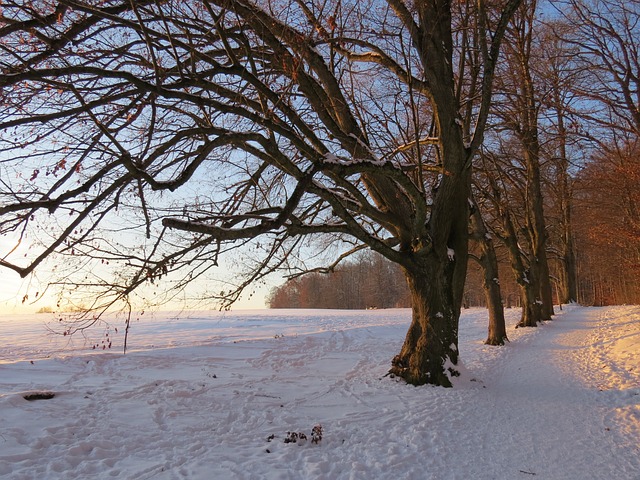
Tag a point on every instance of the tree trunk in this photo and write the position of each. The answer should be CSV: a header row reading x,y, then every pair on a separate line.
x,y
536,227
429,354
497,334
526,129
525,277
544,281
436,275
531,306
569,290
497,331
437,255
436,263
568,287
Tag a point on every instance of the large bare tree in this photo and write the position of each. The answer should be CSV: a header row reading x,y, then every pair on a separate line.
x,y
155,136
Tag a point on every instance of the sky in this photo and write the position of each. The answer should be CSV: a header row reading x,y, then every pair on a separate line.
x,y
13,288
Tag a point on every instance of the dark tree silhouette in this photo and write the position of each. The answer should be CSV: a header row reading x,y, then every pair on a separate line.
x,y
156,136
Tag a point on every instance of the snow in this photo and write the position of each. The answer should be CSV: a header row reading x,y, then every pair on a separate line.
x,y
334,159
331,158
200,397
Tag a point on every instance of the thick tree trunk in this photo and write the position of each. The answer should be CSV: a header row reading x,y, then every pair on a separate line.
x,y
437,252
546,294
568,288
436,275
497,331
527,130
429,354
536,226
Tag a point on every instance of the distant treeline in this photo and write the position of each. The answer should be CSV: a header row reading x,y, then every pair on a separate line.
x,y
368,281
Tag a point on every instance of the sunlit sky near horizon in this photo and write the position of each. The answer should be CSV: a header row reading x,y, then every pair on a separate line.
x,y
13,288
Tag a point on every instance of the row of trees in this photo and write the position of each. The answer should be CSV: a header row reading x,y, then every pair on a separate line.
x,y
144,142
576,76
367,281
563,145
607,195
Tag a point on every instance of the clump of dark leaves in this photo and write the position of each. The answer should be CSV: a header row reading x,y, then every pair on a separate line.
x,y
293,437
301,437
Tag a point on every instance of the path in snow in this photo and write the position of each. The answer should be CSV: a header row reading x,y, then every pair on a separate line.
x,y
561,401
557,400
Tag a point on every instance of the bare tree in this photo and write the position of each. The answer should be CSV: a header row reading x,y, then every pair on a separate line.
x,y
610,241
504,209
605,38
602,38
367,280
519,115
560,76
488,260
159,135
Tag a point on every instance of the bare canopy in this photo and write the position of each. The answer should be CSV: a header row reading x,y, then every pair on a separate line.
x,y
157,135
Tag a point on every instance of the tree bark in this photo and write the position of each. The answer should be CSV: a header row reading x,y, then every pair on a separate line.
x,y
524,121
568,289
525,277
437,256
429,354
531,306
497,331
536,227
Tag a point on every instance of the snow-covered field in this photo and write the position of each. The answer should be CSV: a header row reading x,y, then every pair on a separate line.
x,y
213,396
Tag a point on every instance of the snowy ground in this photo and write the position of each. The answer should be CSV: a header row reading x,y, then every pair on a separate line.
x,y
199,398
